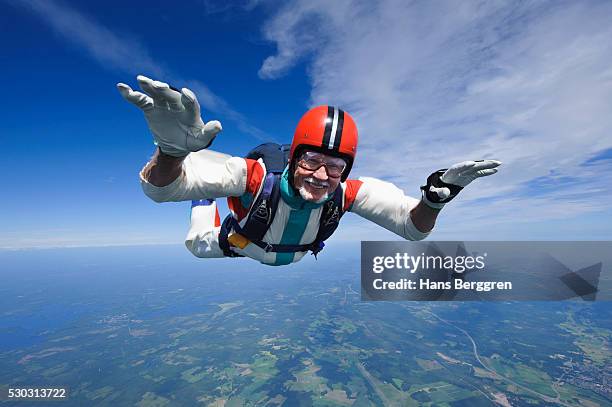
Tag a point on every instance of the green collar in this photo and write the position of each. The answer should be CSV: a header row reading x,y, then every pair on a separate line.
x,y
292,198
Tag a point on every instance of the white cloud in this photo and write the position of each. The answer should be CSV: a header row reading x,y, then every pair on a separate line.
x,y
296,30
65,238
434,83
120,52
101,43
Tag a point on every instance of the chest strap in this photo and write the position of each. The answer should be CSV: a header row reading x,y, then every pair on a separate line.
x,y
262,214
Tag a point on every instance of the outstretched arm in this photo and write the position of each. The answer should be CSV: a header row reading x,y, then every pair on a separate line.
x,y
444,185
162,169
181,168
423,217
201,175
173,116
386,205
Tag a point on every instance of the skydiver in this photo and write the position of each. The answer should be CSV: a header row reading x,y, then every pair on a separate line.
x,y
277,218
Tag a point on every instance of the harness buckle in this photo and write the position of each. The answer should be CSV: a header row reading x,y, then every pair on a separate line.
x,y
268,248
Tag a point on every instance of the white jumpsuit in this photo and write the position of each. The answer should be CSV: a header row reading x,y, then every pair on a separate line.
x,y
208,174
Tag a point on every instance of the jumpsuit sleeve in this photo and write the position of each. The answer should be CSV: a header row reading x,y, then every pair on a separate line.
x,y
202,239
205,174
386,205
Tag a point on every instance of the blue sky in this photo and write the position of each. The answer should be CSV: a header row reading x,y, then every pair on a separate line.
x,y
430,84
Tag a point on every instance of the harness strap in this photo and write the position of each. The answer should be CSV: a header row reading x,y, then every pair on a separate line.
x,y
330,218
224,245
283,248
230,223
263,210
262,215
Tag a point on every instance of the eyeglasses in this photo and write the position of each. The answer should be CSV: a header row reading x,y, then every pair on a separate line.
x,y
312,161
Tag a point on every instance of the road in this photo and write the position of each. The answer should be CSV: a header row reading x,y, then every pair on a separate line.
x,y
544,397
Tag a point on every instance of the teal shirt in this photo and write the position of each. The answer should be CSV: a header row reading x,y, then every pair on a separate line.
x,y
298,217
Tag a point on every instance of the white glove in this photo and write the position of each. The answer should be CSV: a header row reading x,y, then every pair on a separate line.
x,y
173,117
444,185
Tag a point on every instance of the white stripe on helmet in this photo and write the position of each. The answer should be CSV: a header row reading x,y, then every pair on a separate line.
x,y
333,130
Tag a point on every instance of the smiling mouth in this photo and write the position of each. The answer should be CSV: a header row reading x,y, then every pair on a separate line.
x,y
316,185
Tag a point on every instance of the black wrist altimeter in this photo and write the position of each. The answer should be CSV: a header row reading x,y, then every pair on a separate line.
x,y
435,180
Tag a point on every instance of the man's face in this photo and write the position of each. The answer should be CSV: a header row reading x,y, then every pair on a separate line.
x,y
316,175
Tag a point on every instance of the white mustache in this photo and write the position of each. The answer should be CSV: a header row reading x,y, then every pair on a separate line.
x,y
314,181
308,197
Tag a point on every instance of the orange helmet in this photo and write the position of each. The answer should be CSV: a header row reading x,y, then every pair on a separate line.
x,y
328,130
